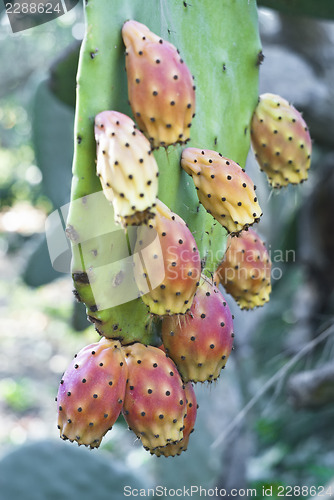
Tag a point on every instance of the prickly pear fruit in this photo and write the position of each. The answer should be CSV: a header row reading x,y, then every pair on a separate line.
x,y
246,269
91,393
155,400
160,86
174,251
170,450
200,342
223,188
281,141
128,171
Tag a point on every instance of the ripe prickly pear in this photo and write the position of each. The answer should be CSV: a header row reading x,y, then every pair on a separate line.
x,y
170,450
91,393
160,86
128,171
200,342
246,269
281,141
174,251
155,401
223,188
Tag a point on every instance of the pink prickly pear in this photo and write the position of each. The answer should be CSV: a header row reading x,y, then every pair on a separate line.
x,y
160,86
223,188
170,450
155,400
175,252
200,342
128,171
91,393
246,270
281,141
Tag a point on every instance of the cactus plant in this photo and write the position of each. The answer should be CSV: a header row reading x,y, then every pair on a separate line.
x,y
225,68
224,74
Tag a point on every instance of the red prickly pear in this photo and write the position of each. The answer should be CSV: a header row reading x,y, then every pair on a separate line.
x,y
246,269
200,342
223,188
174,252
91,393
170,450
281,141
128,171
155,400
160,86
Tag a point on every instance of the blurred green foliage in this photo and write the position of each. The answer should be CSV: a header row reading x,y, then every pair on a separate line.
x,y
17,394
313,8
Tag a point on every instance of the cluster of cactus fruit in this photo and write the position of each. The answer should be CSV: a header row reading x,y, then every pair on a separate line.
x,y
152,385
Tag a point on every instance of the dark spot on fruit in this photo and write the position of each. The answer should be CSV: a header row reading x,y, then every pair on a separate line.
x,y
203,315
79,409
149,391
